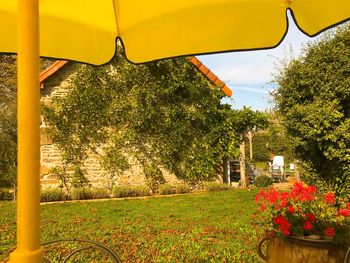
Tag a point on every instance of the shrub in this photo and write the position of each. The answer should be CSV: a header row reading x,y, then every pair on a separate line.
x,y
130,191
154,176
5,195
263,181
182,188
216,186
166,189
100,193
52,195
82,193
121,191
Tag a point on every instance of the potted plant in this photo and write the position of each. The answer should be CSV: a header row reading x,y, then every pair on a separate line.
x,y
303,225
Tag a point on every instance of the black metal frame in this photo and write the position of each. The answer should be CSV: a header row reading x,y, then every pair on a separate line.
x,y
90,245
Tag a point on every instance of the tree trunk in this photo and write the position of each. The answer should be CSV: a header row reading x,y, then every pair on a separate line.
x,y
250,137
226,176
242,165
297,170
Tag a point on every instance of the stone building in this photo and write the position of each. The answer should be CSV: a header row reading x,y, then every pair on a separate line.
x,y
54,82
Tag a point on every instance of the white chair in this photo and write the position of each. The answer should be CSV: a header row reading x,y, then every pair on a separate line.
x,y
277,168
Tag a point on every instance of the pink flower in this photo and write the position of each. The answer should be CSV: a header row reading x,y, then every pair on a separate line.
x,y
329,232
329,198
308,225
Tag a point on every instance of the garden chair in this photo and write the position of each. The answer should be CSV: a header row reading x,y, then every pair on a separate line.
x,y
277,173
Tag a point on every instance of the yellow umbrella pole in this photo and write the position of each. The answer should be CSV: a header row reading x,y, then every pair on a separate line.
x,y
29,248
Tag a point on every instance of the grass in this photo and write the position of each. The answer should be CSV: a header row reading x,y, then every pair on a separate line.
x,y
208,227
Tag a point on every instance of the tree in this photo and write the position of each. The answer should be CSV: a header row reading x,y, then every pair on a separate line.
x,y
8,121
245,121
313,96
165,114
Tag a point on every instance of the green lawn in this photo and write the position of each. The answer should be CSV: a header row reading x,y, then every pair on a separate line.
x,y
208,227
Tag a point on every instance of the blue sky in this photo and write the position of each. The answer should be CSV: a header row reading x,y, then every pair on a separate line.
x,y
249,74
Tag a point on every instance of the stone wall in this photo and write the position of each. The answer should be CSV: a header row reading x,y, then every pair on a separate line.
x,y
58,86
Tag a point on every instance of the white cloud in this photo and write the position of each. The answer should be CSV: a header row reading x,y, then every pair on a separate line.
x,y
249,89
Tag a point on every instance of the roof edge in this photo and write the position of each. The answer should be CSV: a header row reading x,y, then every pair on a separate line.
x,y
211,76
57,65
49,71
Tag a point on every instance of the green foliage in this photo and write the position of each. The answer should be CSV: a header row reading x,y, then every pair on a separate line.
x,y
216,186
182,188
154,176
8,120
81,193
166,189
114,162
279,143
260,151
313,97
78,178
61,174
52,195
100,193
130,191
263,181
165,114
5,195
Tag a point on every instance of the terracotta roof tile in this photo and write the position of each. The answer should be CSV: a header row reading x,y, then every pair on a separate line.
x,y
49,71
211,76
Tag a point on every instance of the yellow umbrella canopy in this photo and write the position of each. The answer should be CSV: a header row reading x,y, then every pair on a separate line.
x,y
86,30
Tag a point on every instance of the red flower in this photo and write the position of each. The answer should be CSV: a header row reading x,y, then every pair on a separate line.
x,y
311,217
308,225
297,189
260,195
262,207
344,212
284,196
349,206
286,232
329,232
298,186
272,197
329,198
284,203
278,219
291,209
283,223
312,189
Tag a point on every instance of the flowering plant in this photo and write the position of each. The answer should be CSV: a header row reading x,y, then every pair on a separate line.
x,y
304,212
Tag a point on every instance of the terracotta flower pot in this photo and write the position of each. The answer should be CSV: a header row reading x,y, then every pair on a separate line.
x,y
295,249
